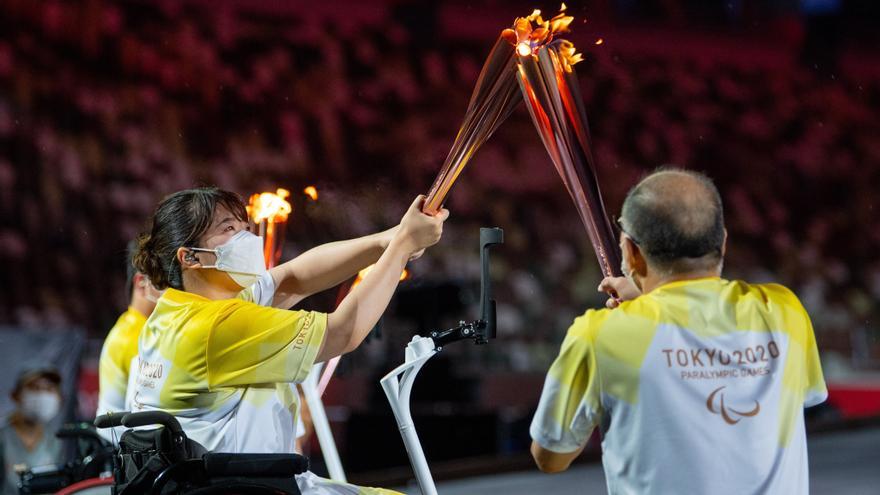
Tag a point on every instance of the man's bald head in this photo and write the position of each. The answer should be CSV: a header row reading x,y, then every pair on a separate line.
x,y
676,218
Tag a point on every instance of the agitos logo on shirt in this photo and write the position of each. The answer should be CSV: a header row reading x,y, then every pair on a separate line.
x,y
727,413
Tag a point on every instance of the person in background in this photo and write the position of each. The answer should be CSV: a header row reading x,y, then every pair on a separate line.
x,y
120,346
26,440
698,383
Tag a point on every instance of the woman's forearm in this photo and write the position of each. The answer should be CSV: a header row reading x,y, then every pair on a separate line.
x,y
326,266
360,310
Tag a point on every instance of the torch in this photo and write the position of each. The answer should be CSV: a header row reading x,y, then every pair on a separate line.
x,y
550,88
493,100
532,56
268,212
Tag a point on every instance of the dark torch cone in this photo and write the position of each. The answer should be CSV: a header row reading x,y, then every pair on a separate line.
x,y
549,86
492,101
531,54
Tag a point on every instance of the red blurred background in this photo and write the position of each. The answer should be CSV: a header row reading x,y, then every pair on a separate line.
x,y
105,107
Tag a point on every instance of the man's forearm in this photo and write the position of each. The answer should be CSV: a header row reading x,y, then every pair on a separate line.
x,y
325,266
553,462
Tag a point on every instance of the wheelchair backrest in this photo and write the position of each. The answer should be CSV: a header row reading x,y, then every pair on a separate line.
x,y
145,453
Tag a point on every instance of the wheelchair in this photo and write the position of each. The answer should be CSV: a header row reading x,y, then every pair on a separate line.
x,y
163,460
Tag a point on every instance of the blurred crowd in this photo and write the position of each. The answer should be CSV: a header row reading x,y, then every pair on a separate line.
x,y
105,107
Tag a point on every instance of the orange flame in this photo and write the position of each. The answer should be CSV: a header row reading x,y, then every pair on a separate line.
x,y
311,192
363,273
529,34
269,206
269,212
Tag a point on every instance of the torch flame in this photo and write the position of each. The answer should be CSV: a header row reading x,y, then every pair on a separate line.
x,y
568,54
363,273
311,192
269,212
269,206
530,33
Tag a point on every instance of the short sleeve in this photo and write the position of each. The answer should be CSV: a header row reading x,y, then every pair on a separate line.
x,y
250,344
112,379
120,347
815,391
569,408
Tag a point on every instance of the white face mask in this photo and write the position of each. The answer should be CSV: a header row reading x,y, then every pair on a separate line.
x,y
41,406
241,257
628,273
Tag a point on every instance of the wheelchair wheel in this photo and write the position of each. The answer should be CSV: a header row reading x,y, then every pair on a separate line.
x,y
91,486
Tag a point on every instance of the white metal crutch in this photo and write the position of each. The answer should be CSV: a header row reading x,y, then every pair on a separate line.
x,y
322,424
399,382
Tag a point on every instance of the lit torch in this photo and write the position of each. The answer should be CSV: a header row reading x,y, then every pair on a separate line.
x,y
269,212
493,100
532,54
550,88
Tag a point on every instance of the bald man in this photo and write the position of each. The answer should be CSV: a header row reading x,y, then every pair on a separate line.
x,y
697,383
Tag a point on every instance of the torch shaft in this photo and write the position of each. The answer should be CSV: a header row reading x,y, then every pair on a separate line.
x,y
557,112
491,103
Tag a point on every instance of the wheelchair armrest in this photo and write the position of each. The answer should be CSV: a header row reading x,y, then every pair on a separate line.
x,y
255,465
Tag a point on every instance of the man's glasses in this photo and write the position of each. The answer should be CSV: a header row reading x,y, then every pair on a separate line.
x,y
619,224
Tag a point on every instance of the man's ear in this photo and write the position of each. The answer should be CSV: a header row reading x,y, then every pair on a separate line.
x,y
634,257
724,244
187,258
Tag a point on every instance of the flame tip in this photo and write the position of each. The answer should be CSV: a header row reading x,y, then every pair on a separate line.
x,y
533,31
269,206
529,34
311,192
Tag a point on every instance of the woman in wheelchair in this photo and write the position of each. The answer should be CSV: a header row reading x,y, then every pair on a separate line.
x,y
220,351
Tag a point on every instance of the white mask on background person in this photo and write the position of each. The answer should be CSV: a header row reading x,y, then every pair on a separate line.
x,y
241,257
40,405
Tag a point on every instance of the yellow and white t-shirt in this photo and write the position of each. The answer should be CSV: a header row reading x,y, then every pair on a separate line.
x,y
698,387
224,368
120,348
